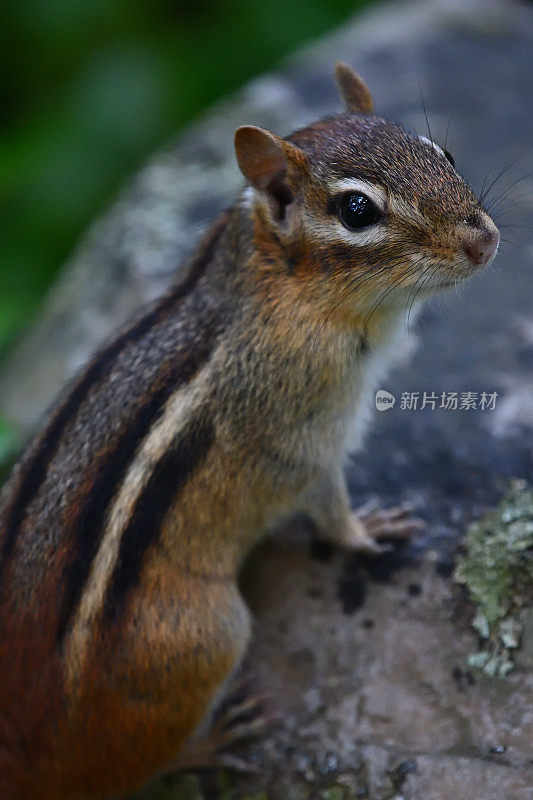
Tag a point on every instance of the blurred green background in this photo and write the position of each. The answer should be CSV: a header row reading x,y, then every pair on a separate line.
x,y
90,87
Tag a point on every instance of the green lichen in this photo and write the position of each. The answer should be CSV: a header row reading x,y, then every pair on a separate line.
x,y
335,793
10,443
497,569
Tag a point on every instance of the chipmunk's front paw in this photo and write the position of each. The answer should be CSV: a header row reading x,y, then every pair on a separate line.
x,y
370,524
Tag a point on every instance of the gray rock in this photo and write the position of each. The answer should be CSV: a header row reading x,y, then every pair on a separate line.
x,y
366,660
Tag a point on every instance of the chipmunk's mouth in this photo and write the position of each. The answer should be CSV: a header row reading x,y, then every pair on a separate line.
x,y
461,276
460,273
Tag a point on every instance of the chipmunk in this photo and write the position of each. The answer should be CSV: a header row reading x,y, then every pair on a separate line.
x,y
228,406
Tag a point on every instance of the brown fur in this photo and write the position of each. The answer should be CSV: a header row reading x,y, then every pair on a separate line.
x,y
221,410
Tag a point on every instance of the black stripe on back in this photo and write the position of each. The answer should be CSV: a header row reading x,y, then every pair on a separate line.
x,y
168,478
37,466
90,527
88,534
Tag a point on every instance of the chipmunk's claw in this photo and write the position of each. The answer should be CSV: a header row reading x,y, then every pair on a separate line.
x,y
372,524
395,523
239,719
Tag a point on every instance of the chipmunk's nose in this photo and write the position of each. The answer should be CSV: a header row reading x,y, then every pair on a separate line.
x,y
480,240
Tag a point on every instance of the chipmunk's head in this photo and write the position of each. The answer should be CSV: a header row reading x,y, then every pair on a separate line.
x,y
365,205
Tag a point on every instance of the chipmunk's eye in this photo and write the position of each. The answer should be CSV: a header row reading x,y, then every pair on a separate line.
x,y
356,211
449,157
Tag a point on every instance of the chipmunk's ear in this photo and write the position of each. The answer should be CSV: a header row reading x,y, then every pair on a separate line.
x,y
353,89
269,163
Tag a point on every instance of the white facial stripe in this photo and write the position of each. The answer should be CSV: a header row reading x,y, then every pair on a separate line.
x,y
373,191
336,232
371,235
432,145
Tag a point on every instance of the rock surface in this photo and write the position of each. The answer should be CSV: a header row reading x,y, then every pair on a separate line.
x,y
365,660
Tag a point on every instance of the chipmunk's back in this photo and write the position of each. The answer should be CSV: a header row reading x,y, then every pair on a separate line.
x,y
54,509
